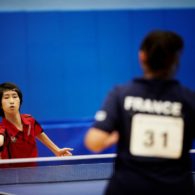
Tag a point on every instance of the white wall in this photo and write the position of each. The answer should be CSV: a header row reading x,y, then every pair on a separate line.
x,y
36,5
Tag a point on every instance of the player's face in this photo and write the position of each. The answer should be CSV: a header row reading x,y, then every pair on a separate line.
x,y
10,102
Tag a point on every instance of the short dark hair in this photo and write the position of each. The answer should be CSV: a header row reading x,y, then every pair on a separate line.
x,y
9,86
162,49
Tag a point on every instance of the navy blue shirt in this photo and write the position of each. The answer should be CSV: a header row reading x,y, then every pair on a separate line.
x,y
156,123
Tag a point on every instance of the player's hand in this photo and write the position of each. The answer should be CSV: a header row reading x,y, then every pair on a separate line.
x,y
1,140
64,152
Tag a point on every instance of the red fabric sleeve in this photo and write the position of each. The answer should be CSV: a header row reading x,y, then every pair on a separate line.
x,y
38,128
2,129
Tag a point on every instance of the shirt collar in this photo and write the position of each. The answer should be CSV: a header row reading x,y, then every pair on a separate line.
x,y
25,119
155,80
11,129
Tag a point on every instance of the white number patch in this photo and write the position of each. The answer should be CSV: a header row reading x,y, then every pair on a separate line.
x,y
156,136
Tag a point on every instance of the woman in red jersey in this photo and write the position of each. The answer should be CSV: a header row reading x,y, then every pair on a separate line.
x,y
18,132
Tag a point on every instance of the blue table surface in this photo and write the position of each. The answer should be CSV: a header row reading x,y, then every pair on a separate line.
x,y
94,187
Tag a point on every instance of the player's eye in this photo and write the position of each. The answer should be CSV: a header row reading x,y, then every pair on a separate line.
x,y
15,96
6,97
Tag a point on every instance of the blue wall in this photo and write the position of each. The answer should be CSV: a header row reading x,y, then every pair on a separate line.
x,y
66,61
68,133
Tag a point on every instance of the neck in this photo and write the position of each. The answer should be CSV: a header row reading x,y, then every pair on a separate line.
x,y
157,75
164,74
15,120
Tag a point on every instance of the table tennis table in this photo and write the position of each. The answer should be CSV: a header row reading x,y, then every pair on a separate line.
x,y
75,175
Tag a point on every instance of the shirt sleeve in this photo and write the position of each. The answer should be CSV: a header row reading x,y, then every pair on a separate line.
x,y
192,114
2,130
107,117
193,126
38,128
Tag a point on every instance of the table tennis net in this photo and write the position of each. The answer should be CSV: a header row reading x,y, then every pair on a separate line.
x,y
93,167
61,169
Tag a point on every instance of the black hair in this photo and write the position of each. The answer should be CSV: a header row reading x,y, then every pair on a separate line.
x,y
6,87
162,49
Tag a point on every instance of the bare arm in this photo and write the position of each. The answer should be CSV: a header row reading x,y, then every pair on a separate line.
x,y
1,140
43,138
97,140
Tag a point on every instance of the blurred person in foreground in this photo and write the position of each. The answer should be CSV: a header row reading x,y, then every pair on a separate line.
x,y
152,120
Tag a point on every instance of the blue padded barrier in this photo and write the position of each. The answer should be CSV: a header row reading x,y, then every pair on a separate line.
x,y
68,133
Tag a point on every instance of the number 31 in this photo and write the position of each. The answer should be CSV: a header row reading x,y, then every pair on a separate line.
x,y
150,138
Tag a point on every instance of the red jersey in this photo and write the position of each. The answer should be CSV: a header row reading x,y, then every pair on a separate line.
x,y
20,144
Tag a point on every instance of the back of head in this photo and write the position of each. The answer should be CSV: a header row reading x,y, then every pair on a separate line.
x,y
6,87
162,49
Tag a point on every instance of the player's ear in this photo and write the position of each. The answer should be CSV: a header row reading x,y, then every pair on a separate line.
x,y
142,59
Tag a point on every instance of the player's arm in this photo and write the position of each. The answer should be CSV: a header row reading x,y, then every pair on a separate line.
x,y
43,138
2,135
97,140
1,140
